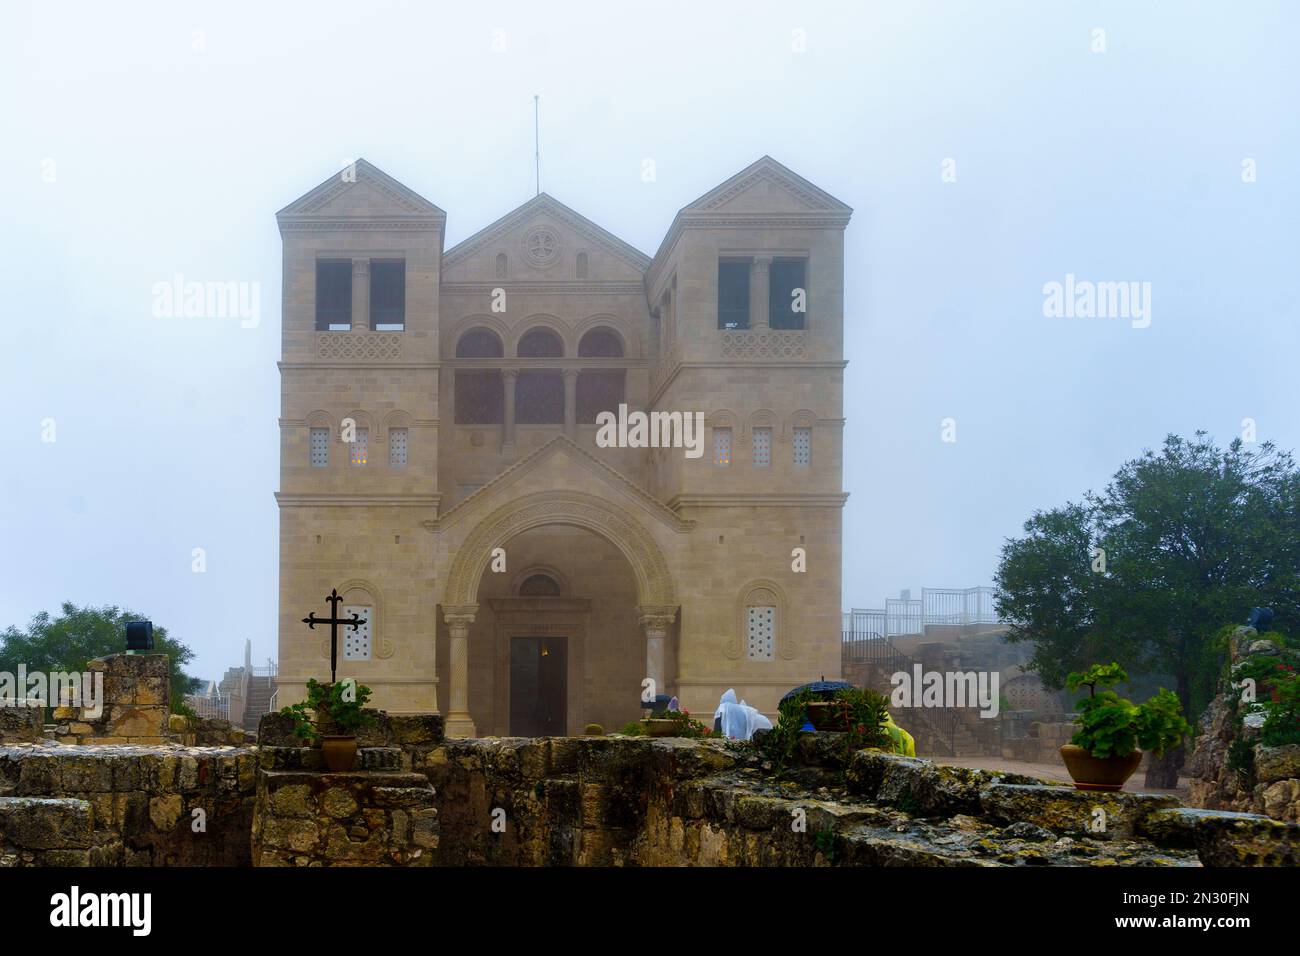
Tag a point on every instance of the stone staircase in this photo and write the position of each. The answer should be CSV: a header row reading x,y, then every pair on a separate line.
x,y
260,690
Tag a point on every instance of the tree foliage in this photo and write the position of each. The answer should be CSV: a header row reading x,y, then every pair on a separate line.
x,y
1193,536
80,634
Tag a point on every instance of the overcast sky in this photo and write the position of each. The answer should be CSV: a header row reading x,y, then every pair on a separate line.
x,y
151,139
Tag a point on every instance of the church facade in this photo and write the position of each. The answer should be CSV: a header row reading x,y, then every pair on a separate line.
x,y
443,464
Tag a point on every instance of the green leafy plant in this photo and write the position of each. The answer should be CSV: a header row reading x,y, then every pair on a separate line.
x,y
336,709
1111,726
1282,710
867,719
632,729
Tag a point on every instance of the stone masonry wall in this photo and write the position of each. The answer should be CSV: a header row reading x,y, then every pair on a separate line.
x,y
135,704
139,803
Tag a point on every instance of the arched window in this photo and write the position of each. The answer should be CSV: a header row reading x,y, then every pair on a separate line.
x,y
503,265
582,265
541,343
479,343
539,585
600,343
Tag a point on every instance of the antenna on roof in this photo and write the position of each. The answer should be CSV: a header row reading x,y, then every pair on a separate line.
x,y
537,146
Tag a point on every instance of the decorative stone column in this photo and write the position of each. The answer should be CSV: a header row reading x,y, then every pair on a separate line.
x,y
459,723
656,621
571,403
759,271
360,295
508,377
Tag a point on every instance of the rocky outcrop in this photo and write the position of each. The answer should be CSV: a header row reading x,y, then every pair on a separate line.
x,y
1230,769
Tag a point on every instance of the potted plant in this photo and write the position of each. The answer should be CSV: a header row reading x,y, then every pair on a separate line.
x,y
331,715
673,723
1113,732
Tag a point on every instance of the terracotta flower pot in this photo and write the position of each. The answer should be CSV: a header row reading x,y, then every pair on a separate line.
x,y
1099,773
340,753
829,714
659,728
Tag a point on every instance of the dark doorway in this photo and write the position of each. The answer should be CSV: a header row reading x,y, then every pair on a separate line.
x,y
538,692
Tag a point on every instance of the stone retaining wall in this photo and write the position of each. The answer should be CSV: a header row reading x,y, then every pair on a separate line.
x,y
140,801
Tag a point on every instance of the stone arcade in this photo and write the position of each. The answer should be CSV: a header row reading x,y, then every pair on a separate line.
x,y
472,378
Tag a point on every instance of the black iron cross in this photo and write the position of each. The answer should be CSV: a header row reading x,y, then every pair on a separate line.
x,y
311,620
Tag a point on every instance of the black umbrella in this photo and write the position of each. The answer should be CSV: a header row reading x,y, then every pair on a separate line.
x,y
823,688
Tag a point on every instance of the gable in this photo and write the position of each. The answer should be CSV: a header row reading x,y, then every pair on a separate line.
x,y
541,241
767,187
561,463
360,192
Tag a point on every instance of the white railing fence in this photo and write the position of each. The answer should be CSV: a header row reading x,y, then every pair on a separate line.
x,y
210,707
907,615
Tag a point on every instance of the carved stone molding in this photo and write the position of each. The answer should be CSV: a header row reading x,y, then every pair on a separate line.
x,y
654,581
343,346
764,343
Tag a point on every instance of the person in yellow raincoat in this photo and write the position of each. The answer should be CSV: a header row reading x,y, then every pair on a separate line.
x,y
902,741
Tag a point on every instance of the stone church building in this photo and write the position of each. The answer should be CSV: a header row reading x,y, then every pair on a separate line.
x,y
439,462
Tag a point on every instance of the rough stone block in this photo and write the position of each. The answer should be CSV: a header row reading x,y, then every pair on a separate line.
x,y
21,724
1223,838
35,823
1064,810
1277,763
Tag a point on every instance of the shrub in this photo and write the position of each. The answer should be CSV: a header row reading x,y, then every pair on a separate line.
x,y
1111,726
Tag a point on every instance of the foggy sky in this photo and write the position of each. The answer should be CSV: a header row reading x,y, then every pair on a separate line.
x,y
174,132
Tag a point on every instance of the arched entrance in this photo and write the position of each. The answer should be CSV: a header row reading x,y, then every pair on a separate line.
x,y
614,612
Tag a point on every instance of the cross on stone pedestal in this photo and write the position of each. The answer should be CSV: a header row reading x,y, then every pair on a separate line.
x,y
311,620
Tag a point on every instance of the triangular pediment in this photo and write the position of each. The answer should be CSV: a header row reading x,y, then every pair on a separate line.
x,y
767,187
360,192
561,463
541,239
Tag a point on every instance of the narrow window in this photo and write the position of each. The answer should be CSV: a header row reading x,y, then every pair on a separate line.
x,y
503,265
388,295
598,391
803,447
787,301
762,447
361,447
356,640
333,295
540,343
760,632
539,398
480,397
733,295
320,447
397,448
582,265
722,446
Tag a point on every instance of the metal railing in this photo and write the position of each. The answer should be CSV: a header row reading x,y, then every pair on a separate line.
x,y
903,616
210,707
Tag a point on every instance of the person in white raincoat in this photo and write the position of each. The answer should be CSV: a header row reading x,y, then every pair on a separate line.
x,y
738,720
